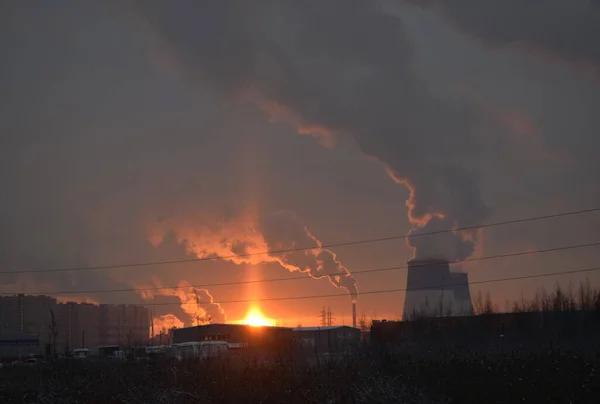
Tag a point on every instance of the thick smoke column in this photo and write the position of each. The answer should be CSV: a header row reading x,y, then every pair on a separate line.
x,y
197,303
566,30
254,239
339,68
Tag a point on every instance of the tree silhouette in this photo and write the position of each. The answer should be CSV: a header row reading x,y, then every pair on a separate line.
x,y
53,332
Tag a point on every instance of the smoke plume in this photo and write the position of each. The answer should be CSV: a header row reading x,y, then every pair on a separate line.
x,y
198,304
285,231
565,30
340,68
165,323
253,239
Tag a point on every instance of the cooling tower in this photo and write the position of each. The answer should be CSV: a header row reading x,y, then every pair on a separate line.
x,y
432,290
459,282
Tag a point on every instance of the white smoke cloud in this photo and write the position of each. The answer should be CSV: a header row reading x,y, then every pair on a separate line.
x,y
285,231
198,304
252,239
166,322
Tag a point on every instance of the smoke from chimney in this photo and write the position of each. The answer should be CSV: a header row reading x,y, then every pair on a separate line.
x,y
340,69
524,25
198,304
245,238
165,323
284,231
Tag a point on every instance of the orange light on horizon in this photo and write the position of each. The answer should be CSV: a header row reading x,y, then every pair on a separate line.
x,y
256,318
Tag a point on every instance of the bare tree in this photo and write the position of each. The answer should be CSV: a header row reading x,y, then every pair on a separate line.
x,y
484,305
586,295
130,337
53,332
363,323
449,309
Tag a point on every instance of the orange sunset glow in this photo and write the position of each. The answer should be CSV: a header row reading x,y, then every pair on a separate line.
x,y
256,318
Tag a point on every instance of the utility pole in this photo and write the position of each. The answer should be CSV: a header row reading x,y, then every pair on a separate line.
x,y
323,317
197,307
152,327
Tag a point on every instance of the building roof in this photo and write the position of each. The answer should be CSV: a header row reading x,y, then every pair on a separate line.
x,y
424,261
327,328
230,325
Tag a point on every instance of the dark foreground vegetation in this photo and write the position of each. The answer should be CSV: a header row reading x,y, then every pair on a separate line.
x,y
557,377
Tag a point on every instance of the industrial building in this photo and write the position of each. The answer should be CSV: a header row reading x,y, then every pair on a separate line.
x,y
320,340
332,339
433,291
237,335
16,346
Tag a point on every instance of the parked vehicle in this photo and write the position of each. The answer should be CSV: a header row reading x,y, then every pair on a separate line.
x,y
139,353
118,355
32,361
106,352
159,352
80,353
199,349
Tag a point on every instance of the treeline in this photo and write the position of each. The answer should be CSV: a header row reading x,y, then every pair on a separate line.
x,y
583,298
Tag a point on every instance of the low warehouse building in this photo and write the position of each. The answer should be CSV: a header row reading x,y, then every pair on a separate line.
x,y
17,346
236,335
333,339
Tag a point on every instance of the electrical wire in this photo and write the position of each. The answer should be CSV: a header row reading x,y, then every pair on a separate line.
x,y
324,246
373,292
210,285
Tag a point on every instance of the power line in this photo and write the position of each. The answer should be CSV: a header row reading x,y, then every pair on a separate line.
x,y
373,292
289,250
208,285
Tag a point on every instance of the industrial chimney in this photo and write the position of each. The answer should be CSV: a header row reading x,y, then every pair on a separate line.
x,y
354,314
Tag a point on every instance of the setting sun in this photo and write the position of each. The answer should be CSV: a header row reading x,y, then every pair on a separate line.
x,y
255,318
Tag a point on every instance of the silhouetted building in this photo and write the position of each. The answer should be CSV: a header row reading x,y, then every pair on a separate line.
x,y
123,325
26,315
332,339
78,325
237,335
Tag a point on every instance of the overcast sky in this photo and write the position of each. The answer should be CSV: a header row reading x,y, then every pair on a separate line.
x,y
151,131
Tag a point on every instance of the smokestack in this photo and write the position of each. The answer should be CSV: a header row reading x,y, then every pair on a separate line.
x,y
354,314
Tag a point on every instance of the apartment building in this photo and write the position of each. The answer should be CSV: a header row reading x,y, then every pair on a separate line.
x,y
77,325
123,325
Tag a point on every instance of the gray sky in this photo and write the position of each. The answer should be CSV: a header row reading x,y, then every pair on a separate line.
x,y
137,132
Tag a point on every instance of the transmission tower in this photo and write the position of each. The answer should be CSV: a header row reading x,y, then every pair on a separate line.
x,y
330,318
